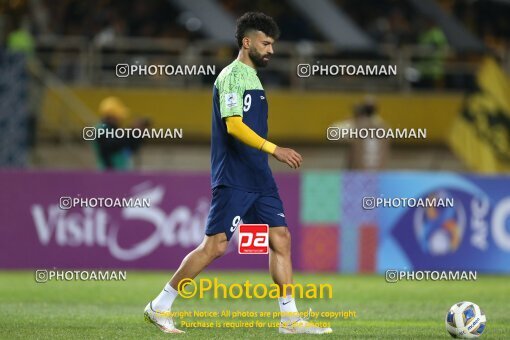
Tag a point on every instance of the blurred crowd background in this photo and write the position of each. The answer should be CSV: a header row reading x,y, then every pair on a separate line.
x,y
395,22
59,57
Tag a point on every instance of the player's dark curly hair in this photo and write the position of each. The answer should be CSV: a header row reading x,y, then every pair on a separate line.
x,y
256,21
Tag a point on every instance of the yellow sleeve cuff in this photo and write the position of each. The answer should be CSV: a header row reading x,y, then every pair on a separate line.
x,y
268,147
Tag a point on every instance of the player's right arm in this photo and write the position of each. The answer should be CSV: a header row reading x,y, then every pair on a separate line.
x,y
231,107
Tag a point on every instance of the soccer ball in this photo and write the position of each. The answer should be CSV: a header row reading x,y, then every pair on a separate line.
x,y
465,320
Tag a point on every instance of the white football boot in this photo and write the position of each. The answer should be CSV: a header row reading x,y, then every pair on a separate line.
x,y
164,322
303,326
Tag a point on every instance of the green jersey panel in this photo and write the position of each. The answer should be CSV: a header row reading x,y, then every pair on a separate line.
x,y
232,83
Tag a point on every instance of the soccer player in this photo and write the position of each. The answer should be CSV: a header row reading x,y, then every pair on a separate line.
x,y
242,183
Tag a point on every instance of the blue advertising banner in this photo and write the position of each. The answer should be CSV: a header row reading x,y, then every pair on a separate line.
x,y
472,233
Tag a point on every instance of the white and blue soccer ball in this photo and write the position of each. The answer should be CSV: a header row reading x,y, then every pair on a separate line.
x,y
465,320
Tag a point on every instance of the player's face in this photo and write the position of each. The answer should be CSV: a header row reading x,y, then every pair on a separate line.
x,y
260,48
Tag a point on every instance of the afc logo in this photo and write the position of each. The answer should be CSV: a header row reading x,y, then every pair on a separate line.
x,y
254,239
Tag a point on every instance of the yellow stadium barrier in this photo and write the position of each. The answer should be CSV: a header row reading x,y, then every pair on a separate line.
x,y
293,116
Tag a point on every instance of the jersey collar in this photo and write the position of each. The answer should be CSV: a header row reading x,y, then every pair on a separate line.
x,y
249,68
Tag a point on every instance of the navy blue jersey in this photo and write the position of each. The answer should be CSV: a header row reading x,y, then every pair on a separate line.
x,y
238,92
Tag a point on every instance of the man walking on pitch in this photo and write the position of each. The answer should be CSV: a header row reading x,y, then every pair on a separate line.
x,y
242,183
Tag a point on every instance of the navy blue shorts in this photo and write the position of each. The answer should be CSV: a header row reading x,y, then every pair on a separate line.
x,y
229,206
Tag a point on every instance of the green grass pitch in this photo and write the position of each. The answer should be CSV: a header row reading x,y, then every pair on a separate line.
x,y
108,310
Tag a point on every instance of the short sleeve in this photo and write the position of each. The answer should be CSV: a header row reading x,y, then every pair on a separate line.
x,y
231,90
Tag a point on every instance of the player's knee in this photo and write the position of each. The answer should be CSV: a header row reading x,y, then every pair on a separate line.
x,y
221,248
214,246
280,240
215,249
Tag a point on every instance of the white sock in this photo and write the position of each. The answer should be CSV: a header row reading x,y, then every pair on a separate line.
x,y
288,309
163,302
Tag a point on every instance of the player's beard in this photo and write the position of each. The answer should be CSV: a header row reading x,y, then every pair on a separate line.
x,y
257,58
